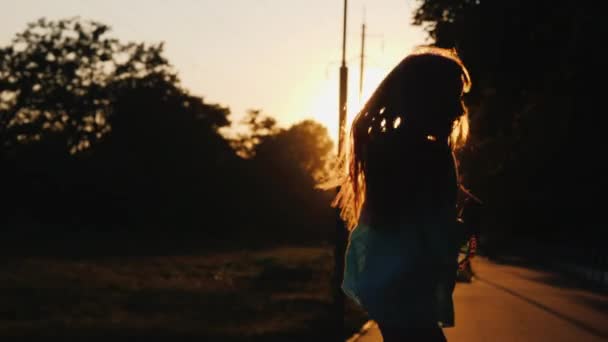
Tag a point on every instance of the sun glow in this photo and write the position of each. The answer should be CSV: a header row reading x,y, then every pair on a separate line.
x,y
324,105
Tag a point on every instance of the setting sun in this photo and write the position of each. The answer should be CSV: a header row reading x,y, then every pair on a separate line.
x,y
324,105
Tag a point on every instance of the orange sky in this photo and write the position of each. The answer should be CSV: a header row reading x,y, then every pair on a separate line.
x,y
281,56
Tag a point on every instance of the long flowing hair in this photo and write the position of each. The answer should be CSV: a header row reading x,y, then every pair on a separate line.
x,y
419,100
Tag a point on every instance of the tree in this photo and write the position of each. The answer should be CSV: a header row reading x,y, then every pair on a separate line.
x,y
55,80
259,127
100,133
303,149
91,127
285,169
531,105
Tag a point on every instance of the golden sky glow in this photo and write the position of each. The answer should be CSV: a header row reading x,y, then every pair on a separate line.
x,y
280,56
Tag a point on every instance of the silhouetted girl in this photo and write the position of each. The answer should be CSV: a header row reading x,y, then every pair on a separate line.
x,y
399,198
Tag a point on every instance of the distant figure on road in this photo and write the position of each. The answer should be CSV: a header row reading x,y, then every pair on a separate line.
x,y
399,197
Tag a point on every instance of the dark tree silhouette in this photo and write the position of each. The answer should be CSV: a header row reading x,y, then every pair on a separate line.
x,y
99,133
90,125
258,126
56,77
532,107
287,165
304,148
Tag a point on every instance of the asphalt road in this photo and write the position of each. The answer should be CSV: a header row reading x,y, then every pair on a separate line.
x,y
520,304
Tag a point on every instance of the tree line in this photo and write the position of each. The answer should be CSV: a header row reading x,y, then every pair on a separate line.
x,y
536,131
99,134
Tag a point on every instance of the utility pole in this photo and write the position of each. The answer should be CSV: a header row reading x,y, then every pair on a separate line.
x,y
343,87
362,58
340,233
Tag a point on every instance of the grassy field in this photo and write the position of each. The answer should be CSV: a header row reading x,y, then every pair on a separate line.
x,y
269,294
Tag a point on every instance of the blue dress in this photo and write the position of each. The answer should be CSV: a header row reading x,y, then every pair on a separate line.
x,y
404,277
